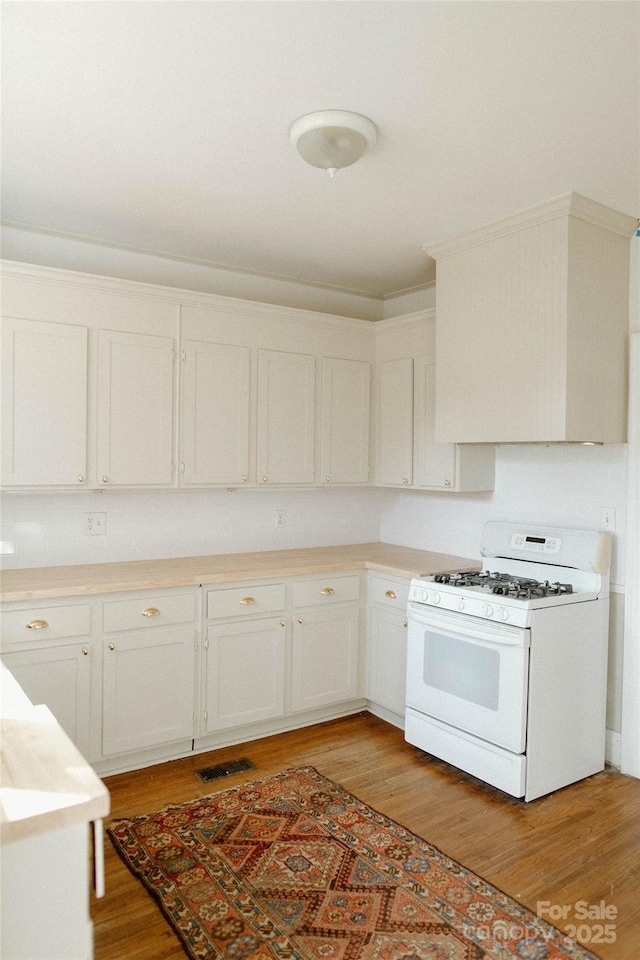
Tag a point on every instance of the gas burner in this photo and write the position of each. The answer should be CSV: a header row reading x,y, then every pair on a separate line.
x,y
506,584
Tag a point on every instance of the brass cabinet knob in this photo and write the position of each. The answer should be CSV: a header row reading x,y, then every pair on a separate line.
x,y
405,624
244,478
327,591
391,594
37,625
85,652
283,623
246,601
111,646
328,478
447,483
150,612
105,479
80,479
405,480
299,619
265,479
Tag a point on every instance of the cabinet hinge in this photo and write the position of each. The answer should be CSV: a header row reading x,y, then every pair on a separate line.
x,y
183,355
205,715
182,467
206,643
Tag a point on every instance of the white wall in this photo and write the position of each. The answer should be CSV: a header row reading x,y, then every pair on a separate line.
x,y
49,529
562,484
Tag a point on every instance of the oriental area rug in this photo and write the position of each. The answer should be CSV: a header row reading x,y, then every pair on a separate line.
x,y
292,867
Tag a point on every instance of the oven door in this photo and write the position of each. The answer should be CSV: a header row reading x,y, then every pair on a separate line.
x,y
469,673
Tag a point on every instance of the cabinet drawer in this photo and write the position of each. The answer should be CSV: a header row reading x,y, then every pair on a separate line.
x,y
242,601
390,592
329,590
150,611
46,623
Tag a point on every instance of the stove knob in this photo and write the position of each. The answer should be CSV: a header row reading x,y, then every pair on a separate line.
x,y
488,610
424,596
460,604
436,598
503,613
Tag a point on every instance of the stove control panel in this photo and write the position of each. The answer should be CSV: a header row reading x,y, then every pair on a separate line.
x,y
534,544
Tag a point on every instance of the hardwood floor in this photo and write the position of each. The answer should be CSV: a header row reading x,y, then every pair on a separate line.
x,y
579,844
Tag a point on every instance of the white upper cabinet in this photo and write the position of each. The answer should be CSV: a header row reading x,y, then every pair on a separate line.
x,y
395,422
215,413
44,403
532,326
135,409
445,466
346,388
286,415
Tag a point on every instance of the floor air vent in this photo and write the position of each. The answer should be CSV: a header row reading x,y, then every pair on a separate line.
x,y
224,770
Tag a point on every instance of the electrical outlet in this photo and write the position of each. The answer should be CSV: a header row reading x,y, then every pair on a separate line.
x,y
608,518
280,518
95,524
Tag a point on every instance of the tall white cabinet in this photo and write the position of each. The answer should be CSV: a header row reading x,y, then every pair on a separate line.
x,y
533,319
286,417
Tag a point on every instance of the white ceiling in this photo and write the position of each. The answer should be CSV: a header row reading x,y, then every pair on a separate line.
x,y
164,125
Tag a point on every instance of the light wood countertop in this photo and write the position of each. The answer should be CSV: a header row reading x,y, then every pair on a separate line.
x,y
46,783
35,583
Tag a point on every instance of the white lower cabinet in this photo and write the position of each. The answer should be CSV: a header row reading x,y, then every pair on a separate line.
x,y
245,665
197,667
148,670
324,663
387,646
49,650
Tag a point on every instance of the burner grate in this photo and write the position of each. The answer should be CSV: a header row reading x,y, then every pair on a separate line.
x,y
225,769
505,584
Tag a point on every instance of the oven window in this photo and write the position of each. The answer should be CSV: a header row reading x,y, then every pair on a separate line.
x,y
463,669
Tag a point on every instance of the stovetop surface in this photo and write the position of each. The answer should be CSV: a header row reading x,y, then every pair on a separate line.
x,y
506,584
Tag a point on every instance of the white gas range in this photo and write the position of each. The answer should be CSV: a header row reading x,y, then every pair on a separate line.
x,y
506,668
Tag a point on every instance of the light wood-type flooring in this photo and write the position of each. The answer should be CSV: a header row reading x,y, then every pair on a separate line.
x,y
580,845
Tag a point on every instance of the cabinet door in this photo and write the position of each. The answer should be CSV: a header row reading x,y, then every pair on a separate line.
x,y
395,422
286,412
135,409
148,689
324,667
345,421
436,462
387,655
215,413
244,672
60,678
44,402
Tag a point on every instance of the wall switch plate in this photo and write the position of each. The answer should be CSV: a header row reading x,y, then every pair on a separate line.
x,y
95,524
608,518
280,518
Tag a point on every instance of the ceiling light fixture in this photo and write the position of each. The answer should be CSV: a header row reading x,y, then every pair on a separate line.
x,y
331,139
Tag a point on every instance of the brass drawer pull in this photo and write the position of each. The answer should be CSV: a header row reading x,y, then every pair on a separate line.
x,y
37,625
85,652
405,624
327,591
247,601
391,594
150,612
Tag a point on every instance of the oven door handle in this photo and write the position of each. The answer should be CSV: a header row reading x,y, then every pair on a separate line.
x,y
457,625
